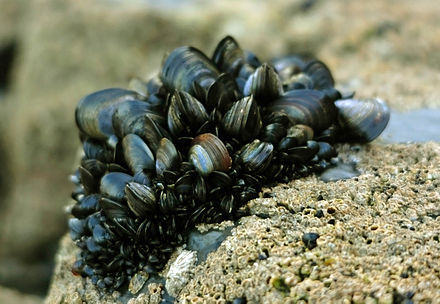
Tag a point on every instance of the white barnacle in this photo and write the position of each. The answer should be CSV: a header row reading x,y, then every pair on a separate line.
x,y
181,271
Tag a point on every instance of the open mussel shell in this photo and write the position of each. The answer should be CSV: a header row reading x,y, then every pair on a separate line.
x,y
362,120
264,84
188,69
309,107
94,112
137,154
243,120
228,56
141,199
208,154
256,156
167,157
185,114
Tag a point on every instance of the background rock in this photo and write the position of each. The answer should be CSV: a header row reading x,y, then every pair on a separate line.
x,y
65,50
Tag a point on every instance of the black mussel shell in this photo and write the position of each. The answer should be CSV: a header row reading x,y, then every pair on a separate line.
x,y
264,84
309,107
129,117
298,81
137,154
185,114
167,157
288,65
362,120
228,56
243,120
93,113
222,93
320,74
256,156
141,199
113,185
188,69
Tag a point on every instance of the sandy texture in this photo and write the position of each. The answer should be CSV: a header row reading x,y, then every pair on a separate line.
x,y
378,239
68,49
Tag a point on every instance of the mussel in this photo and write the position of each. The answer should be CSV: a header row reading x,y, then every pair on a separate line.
x,y
264,84
193,145
243,120
185,114
188,69
309,107
93,113
228,56
256,156
208,154
137,154
362,120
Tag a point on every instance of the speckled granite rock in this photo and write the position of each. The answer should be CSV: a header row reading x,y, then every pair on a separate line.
x,y
378,240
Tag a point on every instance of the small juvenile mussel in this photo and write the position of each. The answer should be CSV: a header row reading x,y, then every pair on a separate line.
x,y
194,144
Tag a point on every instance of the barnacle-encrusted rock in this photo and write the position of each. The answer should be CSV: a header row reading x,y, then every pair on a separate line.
x,y
193,146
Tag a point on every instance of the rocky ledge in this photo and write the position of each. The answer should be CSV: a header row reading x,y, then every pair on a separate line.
x,y
369,239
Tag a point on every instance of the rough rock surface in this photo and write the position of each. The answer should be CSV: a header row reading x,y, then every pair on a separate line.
x,y
66,50
378,239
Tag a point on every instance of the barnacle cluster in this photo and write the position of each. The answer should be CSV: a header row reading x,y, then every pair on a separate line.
x,y
194,144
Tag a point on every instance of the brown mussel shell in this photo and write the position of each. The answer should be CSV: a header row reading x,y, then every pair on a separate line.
x,y
208,154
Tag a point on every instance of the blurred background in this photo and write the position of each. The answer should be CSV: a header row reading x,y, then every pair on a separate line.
x,y
52,53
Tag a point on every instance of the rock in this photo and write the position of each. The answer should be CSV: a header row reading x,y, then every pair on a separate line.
x,y
12,296
363,254
65,51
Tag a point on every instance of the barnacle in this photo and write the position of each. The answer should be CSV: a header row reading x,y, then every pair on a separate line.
x,y
195,144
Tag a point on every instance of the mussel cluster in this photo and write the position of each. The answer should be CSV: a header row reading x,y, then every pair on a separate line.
x,y
196,143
